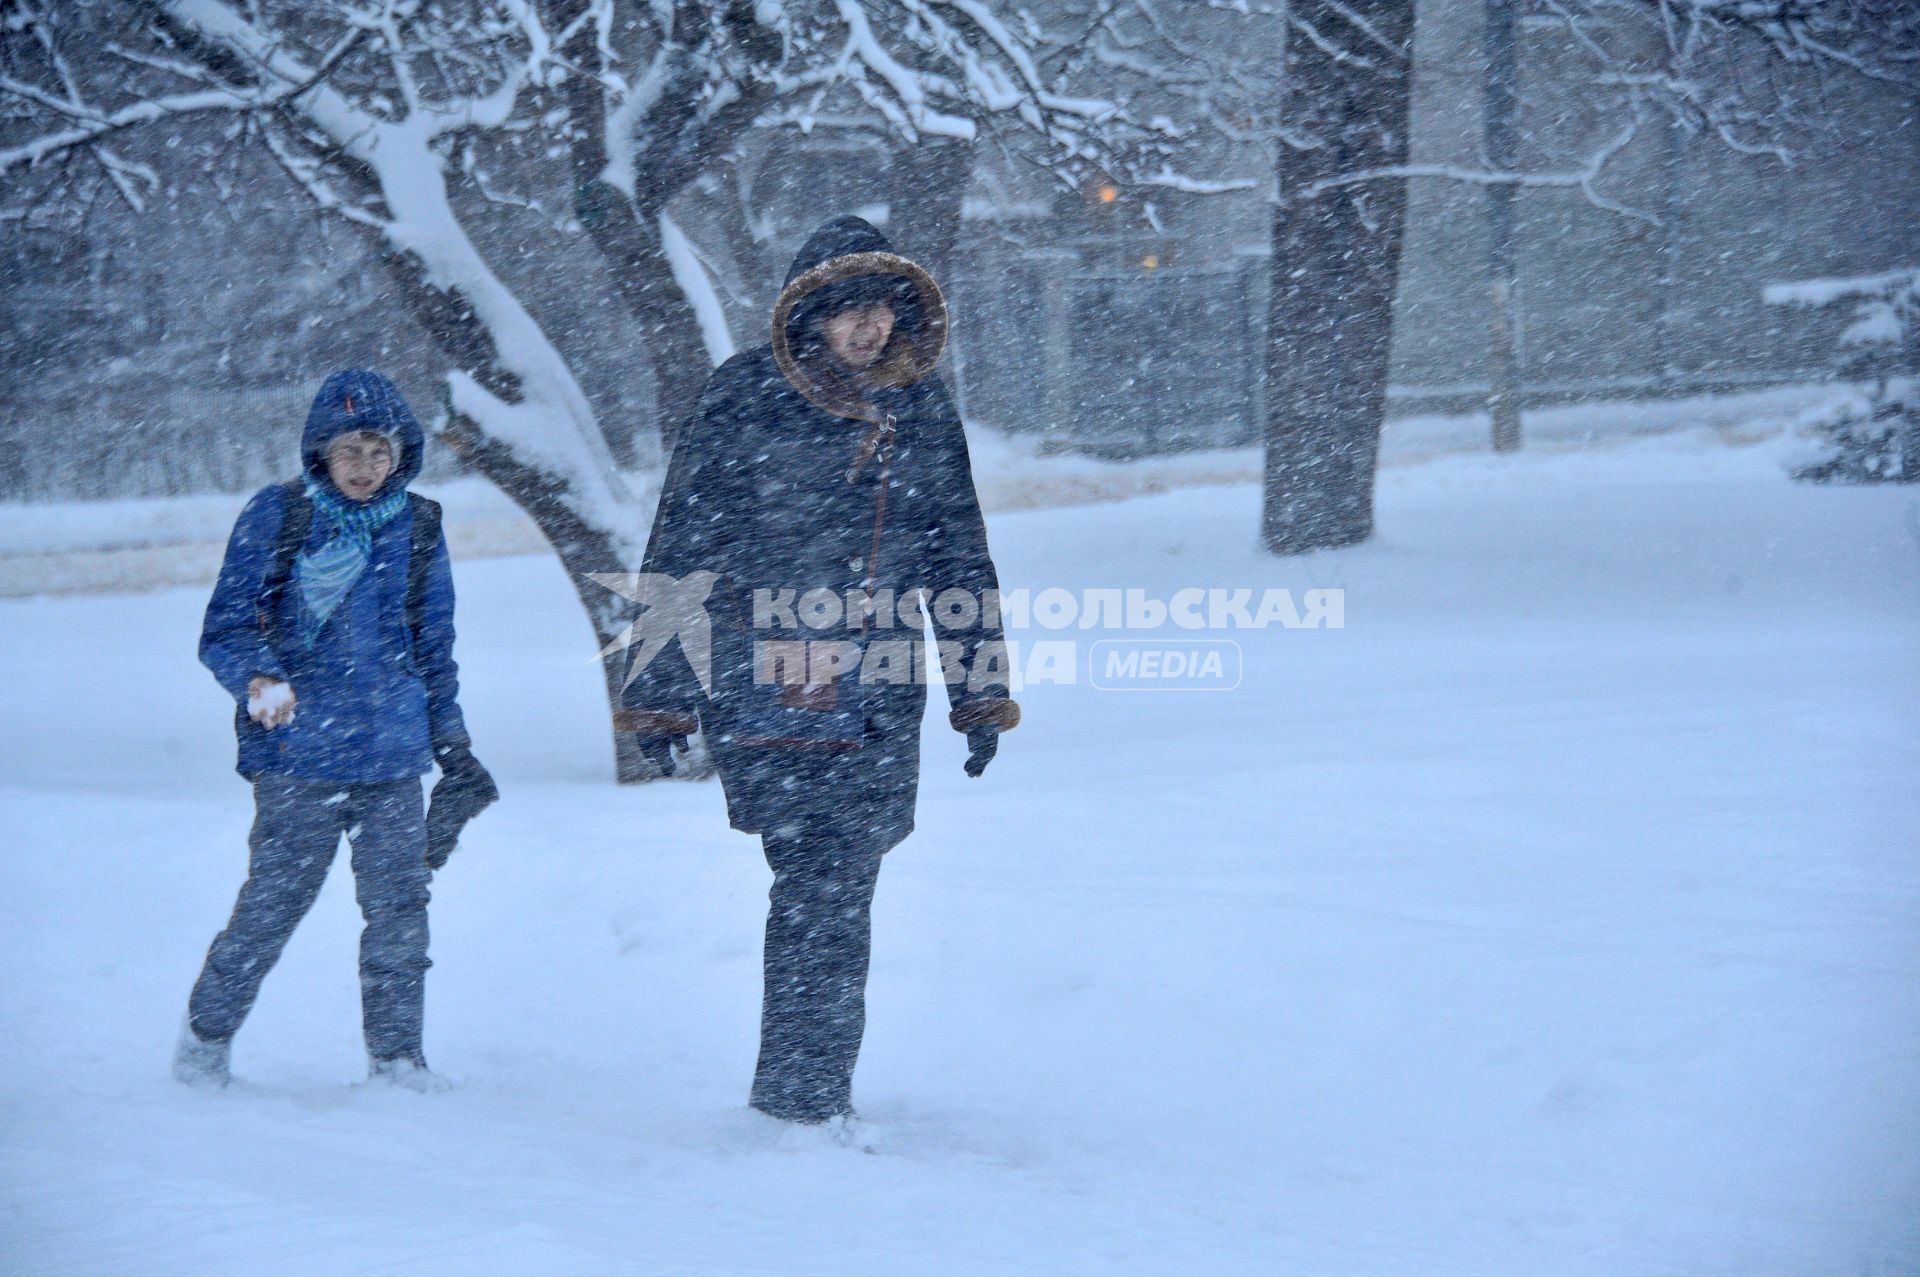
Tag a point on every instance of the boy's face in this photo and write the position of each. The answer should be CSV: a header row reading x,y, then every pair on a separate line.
x,y
359,463
858,334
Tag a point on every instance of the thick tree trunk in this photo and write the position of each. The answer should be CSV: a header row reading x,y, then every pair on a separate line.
x,y
1335,269
629,240
926,185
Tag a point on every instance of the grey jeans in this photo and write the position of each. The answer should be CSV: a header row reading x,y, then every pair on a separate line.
x,y
296,830
819,936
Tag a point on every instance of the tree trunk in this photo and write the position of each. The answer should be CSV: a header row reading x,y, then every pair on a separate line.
x,y
1670,317
1503,357
630,241
926,186
1335,269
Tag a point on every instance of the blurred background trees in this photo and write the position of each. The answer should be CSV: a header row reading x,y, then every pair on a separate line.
x,y
1166,225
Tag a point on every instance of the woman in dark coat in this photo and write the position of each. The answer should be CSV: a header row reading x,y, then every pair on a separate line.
x,y
828,465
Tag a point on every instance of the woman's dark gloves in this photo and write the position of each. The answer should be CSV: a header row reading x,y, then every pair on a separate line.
x,y
983,720
658,751
658,734
982,744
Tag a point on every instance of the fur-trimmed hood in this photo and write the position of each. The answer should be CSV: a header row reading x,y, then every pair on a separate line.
x,y
843,250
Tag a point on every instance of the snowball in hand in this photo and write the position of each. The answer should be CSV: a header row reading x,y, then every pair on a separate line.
x,y
274,699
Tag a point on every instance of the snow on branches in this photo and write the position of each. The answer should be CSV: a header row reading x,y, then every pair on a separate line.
x,y
372,108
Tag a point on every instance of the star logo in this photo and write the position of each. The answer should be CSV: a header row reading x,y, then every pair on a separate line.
x,y
670,608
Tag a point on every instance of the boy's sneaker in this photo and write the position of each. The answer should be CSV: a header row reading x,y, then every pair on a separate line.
x,y
408,1075
850,1131
202,1062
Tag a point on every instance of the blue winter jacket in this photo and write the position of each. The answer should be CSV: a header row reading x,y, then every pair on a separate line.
x,y
370,704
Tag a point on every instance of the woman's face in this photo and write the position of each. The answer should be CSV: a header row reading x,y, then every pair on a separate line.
x,y
858,334
359,463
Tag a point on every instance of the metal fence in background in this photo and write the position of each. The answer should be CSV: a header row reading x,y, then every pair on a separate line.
x,y
117,441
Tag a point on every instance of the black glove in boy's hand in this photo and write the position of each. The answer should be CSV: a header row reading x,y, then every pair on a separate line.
x,y
442,836
458,765
464,790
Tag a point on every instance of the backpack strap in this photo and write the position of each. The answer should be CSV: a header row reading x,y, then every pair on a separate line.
x,y
296,517
426,539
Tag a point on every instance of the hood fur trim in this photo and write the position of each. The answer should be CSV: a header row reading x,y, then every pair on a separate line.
x,y
907,358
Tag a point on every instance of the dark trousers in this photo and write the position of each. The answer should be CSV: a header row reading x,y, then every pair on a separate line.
x,y
296,830
819,935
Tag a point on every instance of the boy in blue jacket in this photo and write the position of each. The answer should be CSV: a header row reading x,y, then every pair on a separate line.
x,y
331,626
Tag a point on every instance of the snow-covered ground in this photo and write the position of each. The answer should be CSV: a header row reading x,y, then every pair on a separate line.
x,y
1560,915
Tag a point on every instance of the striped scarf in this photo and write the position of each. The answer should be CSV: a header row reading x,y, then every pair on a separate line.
x,y
327,573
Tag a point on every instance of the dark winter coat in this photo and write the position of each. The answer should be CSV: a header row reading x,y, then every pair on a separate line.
x,y
372,705
775,484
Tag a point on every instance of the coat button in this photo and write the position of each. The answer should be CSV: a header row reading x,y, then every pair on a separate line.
x,y
856,563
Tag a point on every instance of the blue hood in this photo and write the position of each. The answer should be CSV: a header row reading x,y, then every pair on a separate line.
x,y
359,399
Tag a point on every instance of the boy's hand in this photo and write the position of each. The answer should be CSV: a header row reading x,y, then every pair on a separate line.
x,y
270,702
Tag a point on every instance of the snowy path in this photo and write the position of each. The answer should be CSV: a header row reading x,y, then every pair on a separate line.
x,y
1560,915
